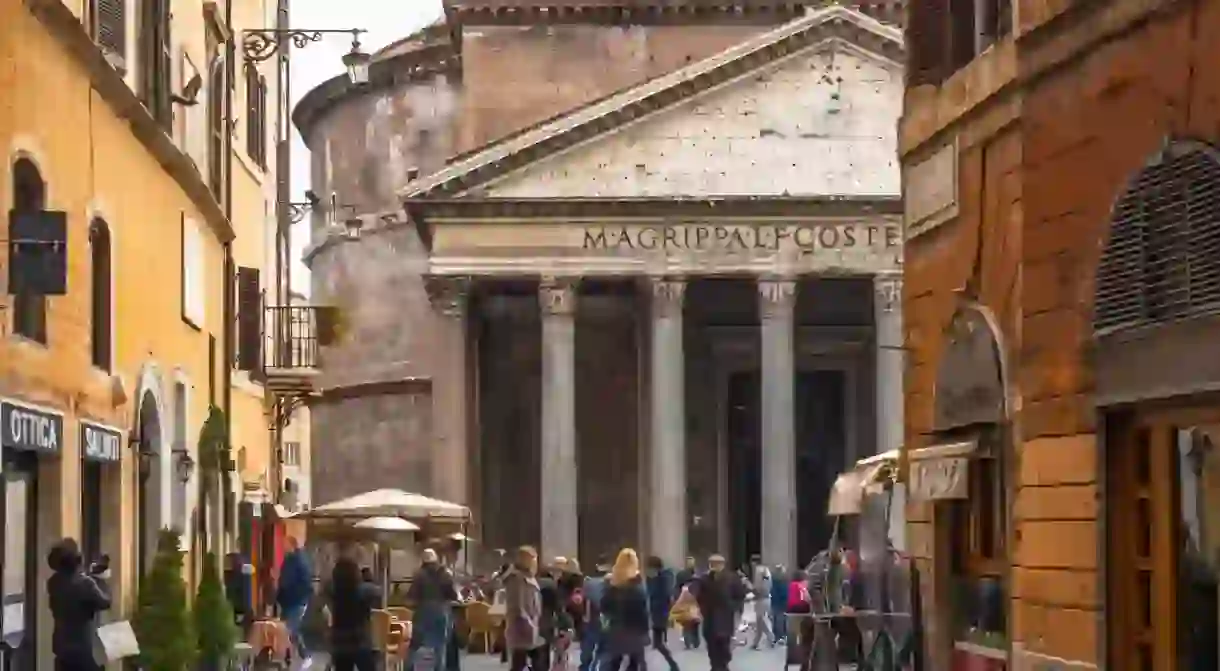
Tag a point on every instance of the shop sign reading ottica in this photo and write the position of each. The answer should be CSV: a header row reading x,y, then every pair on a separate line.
x,y
100,443
32,429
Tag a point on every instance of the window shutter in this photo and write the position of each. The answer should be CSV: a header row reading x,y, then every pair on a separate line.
x,y
249,320
111,20
926,39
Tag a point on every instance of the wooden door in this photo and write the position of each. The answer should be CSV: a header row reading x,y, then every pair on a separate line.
x,y
1144,539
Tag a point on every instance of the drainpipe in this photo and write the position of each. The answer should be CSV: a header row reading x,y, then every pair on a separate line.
x,y
220,541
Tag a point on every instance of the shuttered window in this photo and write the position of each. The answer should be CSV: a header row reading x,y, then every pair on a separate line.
x,y
217,133
110,29
943,36
256,117
1162,260
156,60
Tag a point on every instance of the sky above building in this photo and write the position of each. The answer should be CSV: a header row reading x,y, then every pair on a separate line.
x,y
385,21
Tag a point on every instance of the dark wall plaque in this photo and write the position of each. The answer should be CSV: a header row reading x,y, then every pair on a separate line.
x,y
100,443
970,380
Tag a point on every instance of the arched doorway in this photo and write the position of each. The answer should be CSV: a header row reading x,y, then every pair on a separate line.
x,y
149,483
964,475
1156,330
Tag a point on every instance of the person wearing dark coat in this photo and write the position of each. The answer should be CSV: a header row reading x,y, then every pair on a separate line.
x,y
720,593
660,585
624,606
351,601
75,600
293,592
431,595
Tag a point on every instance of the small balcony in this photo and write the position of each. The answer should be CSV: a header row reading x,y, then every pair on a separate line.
x,y
291,339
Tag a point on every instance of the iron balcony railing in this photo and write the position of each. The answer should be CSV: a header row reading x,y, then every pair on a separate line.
x,y
292,335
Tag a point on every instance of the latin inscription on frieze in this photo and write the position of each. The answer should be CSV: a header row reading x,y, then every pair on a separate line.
x,y
805,238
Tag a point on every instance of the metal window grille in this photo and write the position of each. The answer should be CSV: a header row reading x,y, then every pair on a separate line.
x,y
1162,260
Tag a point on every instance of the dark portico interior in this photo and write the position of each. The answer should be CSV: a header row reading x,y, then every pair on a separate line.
x,y
834,409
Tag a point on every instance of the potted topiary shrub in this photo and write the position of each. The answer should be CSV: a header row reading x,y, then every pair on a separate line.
x,y
162,622
213,618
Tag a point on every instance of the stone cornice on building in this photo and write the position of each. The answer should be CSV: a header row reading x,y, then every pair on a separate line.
x,y
429,60
650,12
656,95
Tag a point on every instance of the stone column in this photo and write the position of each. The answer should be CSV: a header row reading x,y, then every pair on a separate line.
x,y
667,472
777,297
887,319
560,531
451,448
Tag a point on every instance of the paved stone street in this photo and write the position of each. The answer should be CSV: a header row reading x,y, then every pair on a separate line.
x,y
744,659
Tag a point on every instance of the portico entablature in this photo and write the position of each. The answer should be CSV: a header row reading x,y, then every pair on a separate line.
x,y
759,240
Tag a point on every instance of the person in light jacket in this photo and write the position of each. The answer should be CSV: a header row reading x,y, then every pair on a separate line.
x,y
523,611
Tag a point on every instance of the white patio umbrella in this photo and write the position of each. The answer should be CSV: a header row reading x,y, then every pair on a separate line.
x,y
390,524
391,503
382,527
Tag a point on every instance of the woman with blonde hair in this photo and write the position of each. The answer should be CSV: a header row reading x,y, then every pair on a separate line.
x,y
624,608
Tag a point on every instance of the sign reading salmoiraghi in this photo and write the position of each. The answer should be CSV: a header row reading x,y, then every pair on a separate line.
x,y
745,238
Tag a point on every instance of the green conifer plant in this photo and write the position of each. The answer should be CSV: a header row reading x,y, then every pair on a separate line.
x,y
163,621
213,617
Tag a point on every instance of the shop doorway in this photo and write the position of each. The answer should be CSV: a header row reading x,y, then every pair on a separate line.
x,y
20,569
1163,484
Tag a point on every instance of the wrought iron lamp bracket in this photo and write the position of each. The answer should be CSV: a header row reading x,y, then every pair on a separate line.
x,y
261,45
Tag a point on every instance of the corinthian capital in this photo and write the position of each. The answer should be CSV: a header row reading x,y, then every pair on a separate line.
x,y
776,297
667,295
449,295
888,290
557,295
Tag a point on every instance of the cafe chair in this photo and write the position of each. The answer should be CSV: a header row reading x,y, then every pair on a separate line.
x,y
390,639
401,613
482,625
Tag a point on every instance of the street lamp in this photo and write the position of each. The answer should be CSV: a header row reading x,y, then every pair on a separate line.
x,y
261,45
184,464
357,62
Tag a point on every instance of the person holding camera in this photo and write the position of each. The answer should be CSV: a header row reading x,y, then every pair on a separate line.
x,y
75,598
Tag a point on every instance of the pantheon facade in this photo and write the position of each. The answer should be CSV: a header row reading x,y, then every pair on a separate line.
x,y
624,277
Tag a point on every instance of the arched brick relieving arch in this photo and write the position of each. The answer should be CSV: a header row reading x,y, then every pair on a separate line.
x,y
1156,315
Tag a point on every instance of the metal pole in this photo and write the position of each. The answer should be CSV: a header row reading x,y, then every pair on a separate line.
x,y
283,225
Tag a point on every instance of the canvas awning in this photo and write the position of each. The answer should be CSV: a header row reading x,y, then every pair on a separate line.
x,y
868,476
391,503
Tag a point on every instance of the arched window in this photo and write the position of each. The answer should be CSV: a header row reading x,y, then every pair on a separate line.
x,y
100,320
1161,262
29,195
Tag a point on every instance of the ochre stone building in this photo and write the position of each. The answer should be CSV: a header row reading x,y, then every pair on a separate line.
x,y
104,390
627,273
1060,300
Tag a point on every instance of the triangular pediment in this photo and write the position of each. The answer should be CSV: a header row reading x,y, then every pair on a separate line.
x,y
808,109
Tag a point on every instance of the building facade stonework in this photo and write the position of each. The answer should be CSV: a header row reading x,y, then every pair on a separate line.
x,y
650,317
1060,399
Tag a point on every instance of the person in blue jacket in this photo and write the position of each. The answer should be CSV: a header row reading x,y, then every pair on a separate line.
x,y
294,591
661,595
779,602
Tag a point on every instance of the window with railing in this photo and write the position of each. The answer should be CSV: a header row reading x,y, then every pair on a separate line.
x,y
943,37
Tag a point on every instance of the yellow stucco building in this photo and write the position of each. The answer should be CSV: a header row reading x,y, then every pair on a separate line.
x,y
146,130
